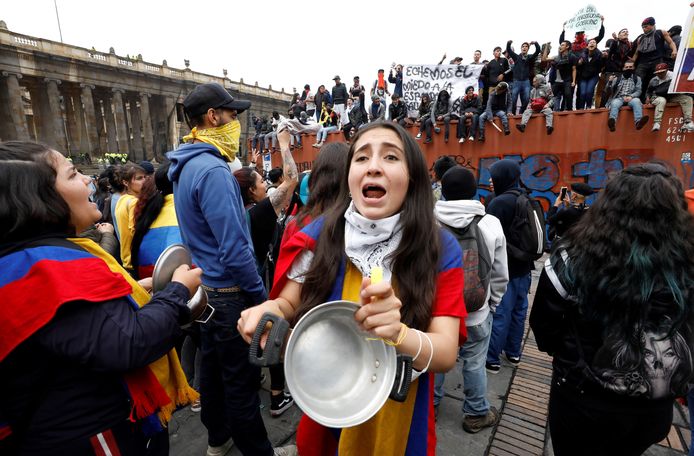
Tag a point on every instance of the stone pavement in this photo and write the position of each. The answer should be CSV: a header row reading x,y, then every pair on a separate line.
x,y
521,394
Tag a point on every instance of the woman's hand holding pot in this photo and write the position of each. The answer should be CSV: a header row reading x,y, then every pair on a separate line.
x,y
380,310
250,318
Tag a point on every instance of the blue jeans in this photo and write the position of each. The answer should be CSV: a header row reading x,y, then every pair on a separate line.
x,y
520,89
473,354
617,103
484,117
322,134
228,382
509,320
586,90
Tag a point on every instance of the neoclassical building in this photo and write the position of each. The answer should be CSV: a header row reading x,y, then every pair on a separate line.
x,y
86,102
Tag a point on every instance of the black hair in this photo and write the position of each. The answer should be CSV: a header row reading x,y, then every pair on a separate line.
x,y
443,164
635,246
275,174
149,204
498,48
416,258
245,176
112,172
30,205
568,43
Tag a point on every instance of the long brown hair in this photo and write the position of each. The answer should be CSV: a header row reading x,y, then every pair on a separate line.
x,y
415,260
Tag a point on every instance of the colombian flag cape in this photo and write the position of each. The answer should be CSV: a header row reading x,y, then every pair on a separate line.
x,y
162,233
406,428
37,280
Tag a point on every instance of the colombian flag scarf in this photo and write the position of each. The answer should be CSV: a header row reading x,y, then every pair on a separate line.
x,y
79,270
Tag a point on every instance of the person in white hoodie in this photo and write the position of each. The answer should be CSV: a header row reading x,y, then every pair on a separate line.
x,y
457,210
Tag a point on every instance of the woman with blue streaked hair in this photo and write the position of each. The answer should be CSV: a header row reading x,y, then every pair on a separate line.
x,y
614,308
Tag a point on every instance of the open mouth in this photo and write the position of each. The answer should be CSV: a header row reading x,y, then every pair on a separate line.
x,y
373,191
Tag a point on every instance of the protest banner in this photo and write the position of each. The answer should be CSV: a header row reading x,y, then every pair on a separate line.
x,y
683,77
431,79
586,20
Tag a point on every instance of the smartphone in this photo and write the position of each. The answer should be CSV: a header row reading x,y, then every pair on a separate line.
x,y
563,193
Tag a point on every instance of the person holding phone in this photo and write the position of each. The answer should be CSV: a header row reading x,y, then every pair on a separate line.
x,y
568,209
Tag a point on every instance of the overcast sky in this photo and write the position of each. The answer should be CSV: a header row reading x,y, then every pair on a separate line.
x,y
290,43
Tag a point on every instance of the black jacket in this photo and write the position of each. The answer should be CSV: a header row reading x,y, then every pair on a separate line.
x,y
522,65
617,55
560,220
492,70
473,104
397,112
340,93
589,65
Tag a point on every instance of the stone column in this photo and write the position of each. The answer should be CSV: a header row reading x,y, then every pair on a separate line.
x,y
72,113
90,127
15,125
56,115
171,131
146,119
136,126
110,124
121,121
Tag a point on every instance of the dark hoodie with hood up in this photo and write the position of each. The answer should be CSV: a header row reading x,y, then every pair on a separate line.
x,y
212,219
506,176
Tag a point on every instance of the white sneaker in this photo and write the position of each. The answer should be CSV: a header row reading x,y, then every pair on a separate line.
x,y
220,450
471,138
419,135
656,126
461,140
289,450
689,126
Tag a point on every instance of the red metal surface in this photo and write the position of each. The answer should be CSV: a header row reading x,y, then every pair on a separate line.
x,y
581,149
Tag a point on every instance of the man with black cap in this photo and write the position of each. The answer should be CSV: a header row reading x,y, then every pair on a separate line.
x,y
213,226
568,210
340,96
649,50
457,211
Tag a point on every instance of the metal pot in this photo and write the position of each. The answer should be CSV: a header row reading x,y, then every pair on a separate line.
x,y
338,374
170,259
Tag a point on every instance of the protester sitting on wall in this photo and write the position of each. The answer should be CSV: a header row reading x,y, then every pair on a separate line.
x,y
397,111
625,89
565,77
358,117
522,66
265,131
439,111
395,77
258,126
657,94
328,122
377,109
541,99
580,41
493,73
649,49
357,88
423,113
271,137
470,107
589,66
498,105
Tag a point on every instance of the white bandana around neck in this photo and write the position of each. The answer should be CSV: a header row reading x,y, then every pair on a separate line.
x,y
368,242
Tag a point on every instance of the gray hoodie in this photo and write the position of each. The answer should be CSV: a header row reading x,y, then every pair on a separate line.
x,y
459,214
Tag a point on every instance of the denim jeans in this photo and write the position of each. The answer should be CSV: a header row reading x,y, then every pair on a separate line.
x,y
500,114
509,320
228,382
586,91
520,89
270,137
617,103
473,354
322,134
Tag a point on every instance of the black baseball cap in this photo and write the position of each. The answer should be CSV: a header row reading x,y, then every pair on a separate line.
x,y
211,95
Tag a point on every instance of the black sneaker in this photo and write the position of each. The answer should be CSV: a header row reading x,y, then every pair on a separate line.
x,y
550,130
515,360
520,128
507,131
611,123
280,403
642,121
493,368
474,424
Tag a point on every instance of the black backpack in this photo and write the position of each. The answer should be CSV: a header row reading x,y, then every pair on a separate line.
x,y
477,263
526,240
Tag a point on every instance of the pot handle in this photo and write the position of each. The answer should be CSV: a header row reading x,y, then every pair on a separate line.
x,y
403,378
271,354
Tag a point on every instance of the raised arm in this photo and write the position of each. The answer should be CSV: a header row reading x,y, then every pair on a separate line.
x,y
283,194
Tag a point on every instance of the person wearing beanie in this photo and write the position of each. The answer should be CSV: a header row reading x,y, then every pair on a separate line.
x,y
657,94
568,210
441,165
456,212
148,167
509,316
649,49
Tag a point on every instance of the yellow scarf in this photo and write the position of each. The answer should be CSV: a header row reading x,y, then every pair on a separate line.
x,y
167,369
225,138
